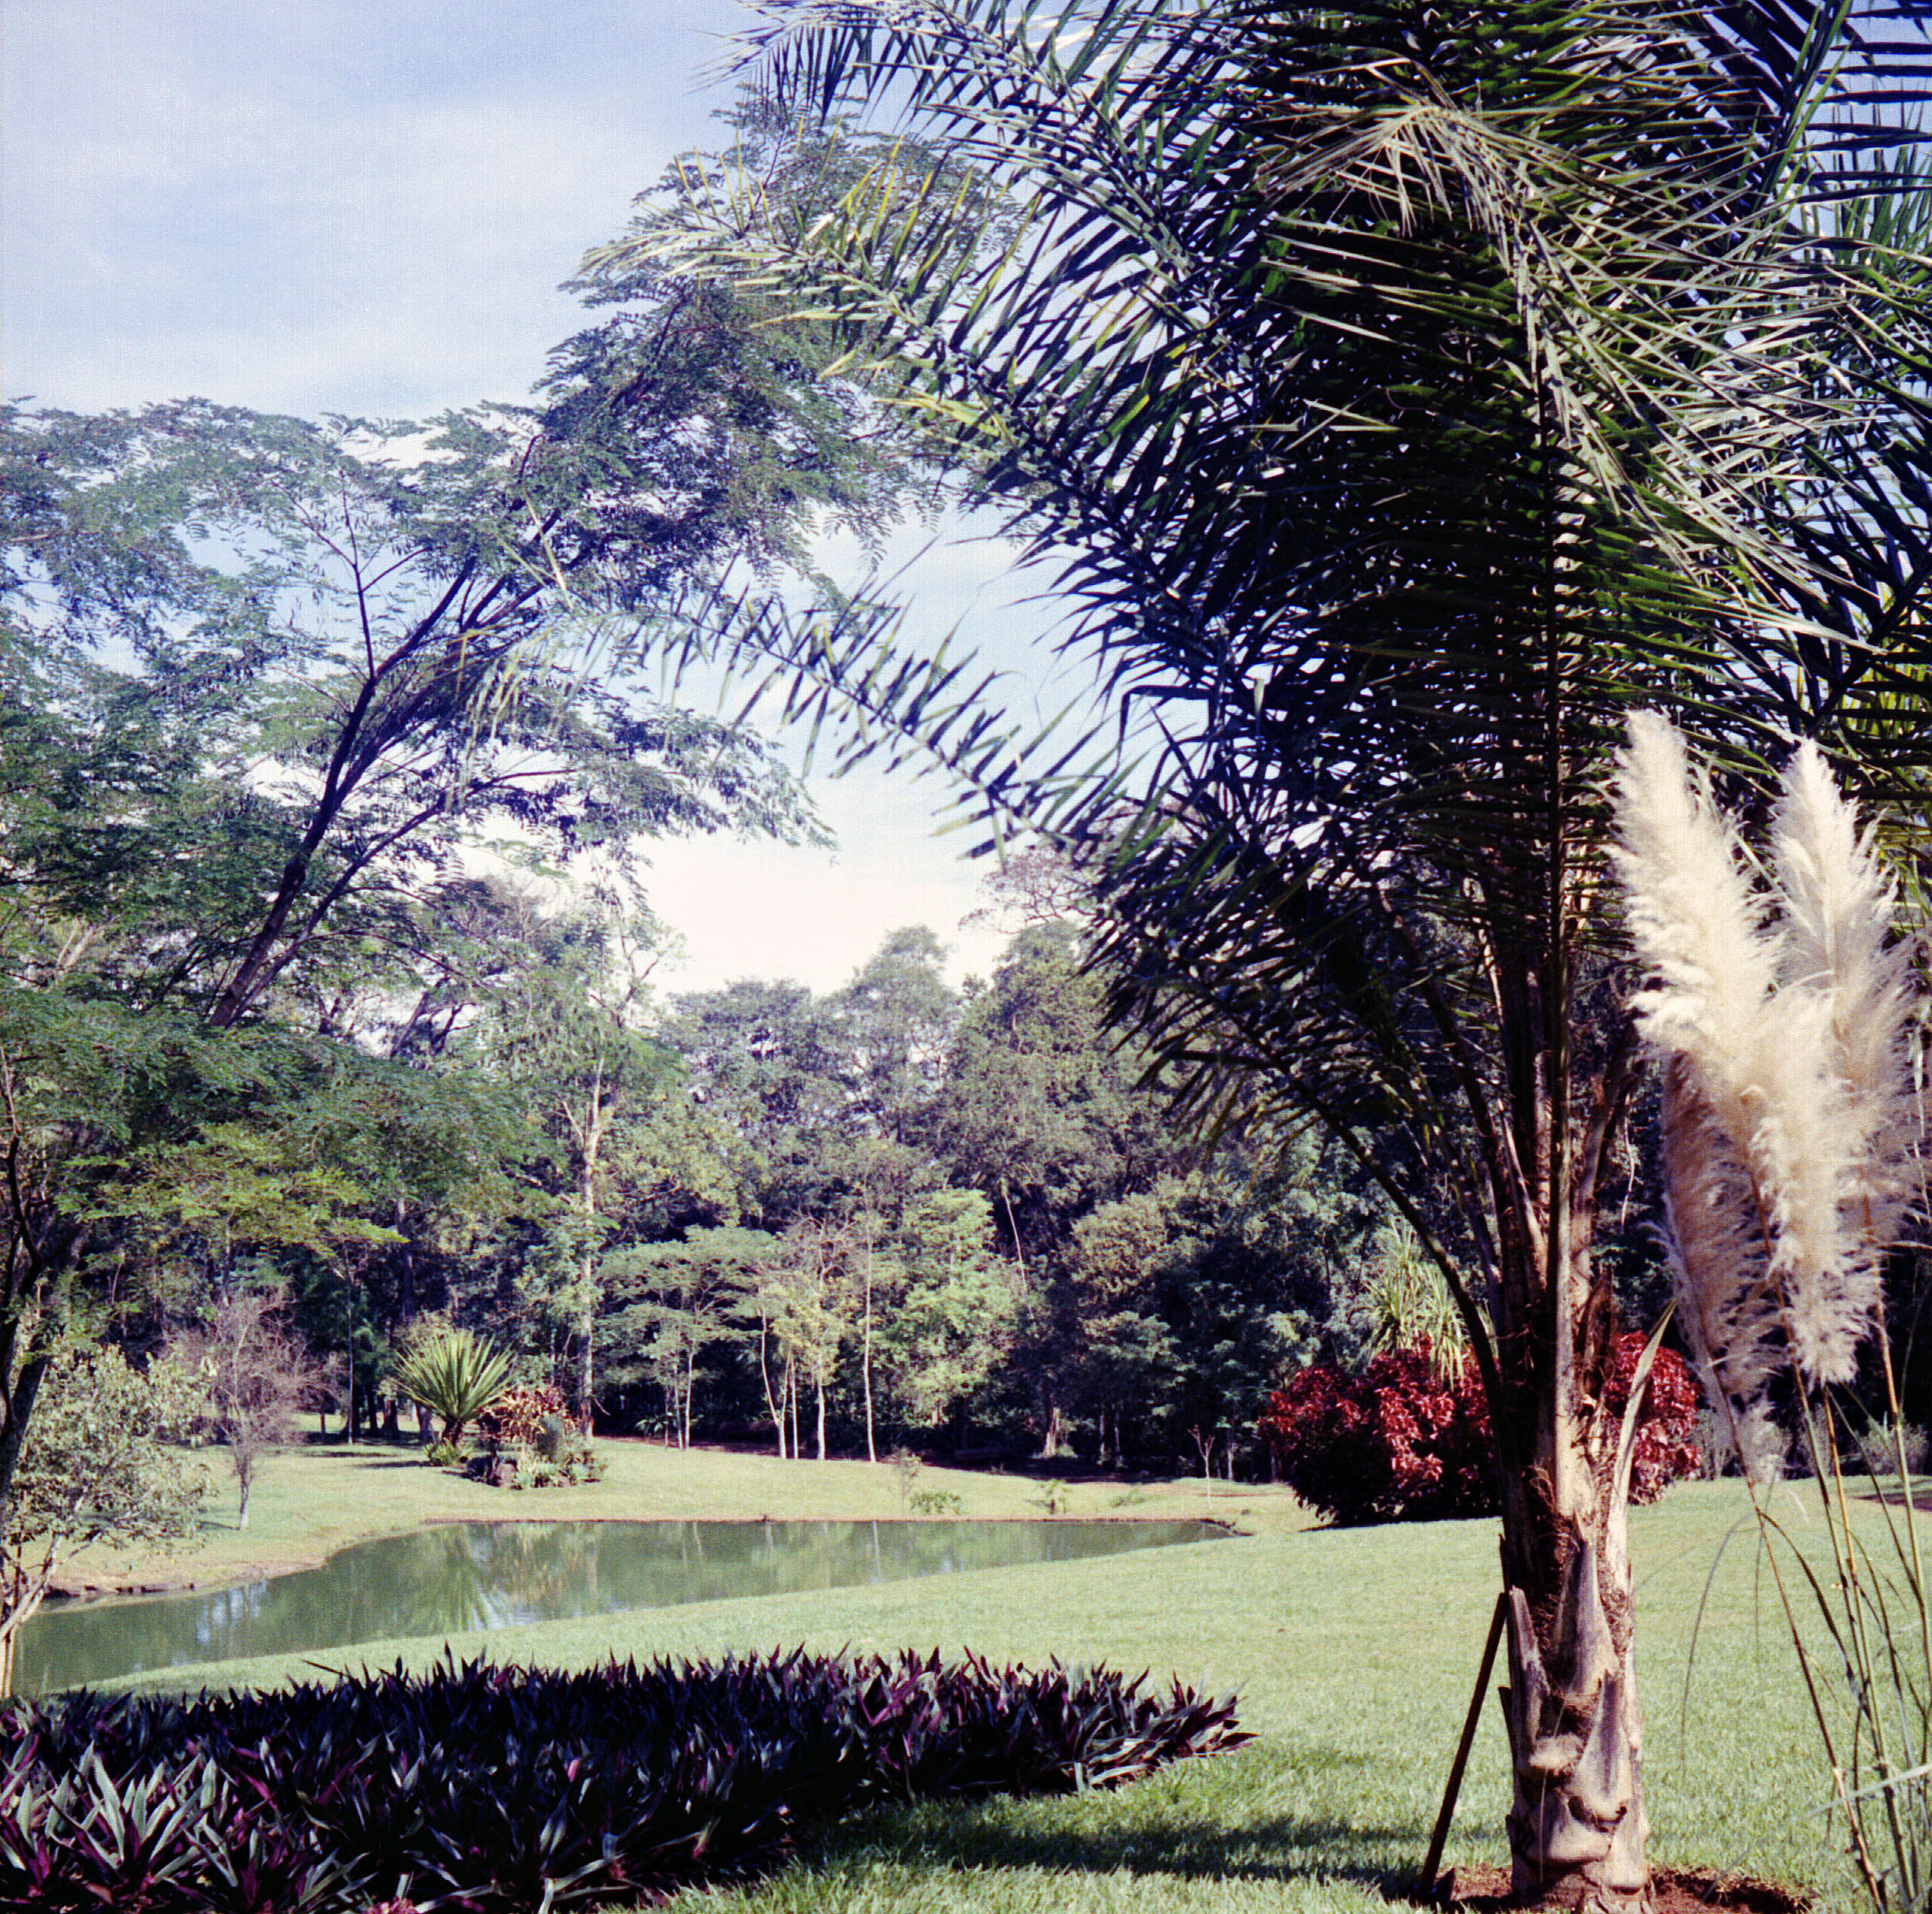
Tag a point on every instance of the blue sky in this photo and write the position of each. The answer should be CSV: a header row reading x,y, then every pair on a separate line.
x,y
367,206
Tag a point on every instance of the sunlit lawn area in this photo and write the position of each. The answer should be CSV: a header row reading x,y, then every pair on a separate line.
x,y
1353,1652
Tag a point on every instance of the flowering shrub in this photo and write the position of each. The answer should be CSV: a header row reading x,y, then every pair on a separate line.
x,y
1404,1442
527,1416
1667,1449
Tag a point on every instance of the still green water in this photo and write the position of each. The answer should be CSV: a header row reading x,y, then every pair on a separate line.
x,y
463,1576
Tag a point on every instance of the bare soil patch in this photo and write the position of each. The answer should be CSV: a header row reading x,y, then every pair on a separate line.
x,y
1674,1891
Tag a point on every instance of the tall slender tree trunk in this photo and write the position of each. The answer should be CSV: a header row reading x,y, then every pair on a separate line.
x,y
865,1357
774,1399
587,1276
349,1418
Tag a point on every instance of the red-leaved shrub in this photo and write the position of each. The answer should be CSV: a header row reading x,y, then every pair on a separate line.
x,y
1402,1442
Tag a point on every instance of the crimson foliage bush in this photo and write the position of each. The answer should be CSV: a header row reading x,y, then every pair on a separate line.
x,y
1403,1442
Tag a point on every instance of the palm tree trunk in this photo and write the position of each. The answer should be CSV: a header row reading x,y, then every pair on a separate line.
x,y
1577,1823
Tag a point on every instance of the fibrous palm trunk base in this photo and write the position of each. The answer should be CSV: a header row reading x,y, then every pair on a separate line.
x,y
1577,1824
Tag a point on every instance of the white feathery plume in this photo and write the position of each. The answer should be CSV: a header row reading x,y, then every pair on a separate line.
x,y
1755,1053
1838,906
1786,1100
1712,1011
1727,1306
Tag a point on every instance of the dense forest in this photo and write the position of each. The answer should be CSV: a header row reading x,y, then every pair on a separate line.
x,y
330,753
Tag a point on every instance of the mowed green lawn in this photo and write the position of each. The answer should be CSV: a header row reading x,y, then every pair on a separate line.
x,y
1353,1651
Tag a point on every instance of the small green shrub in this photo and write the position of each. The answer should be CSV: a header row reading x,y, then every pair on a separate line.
x,y
442,1455
933,1502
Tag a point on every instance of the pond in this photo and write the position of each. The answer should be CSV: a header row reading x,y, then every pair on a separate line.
x,y
454,1579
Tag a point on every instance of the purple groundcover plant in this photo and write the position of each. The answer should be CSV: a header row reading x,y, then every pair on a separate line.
x,y
486,1788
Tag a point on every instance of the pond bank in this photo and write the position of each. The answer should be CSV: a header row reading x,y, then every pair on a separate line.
x,y
309,1502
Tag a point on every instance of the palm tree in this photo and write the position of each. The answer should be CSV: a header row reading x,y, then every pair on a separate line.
x,y
1399,392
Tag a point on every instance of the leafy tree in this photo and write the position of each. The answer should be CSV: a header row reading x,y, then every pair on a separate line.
x,y
98,1465
674,1300
899,1013
371,638
771,1066
956,1305
565,1028
1400,394
802,1302
1041,1109
1042,1112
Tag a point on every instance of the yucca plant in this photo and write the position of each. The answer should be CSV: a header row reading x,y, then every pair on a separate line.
x,y
1787,1021
1407,1303
456,1376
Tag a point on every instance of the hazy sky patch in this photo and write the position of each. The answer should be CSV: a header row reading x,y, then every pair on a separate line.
x,y
367,206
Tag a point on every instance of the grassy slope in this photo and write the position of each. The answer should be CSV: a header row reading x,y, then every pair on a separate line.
x,y
1353,1652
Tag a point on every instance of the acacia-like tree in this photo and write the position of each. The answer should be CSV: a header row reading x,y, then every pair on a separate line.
x,y
1397,392
260,677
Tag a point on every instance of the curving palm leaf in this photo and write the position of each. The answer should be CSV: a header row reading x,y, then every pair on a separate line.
x,y
1398,394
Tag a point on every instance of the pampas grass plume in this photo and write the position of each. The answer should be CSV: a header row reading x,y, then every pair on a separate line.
x,y
1788,1126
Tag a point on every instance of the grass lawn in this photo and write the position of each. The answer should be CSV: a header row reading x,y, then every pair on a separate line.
x,y
1353,1652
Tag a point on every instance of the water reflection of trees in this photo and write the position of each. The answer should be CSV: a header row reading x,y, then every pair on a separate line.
x,y
463,1577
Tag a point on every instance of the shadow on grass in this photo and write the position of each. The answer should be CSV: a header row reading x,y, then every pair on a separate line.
x,y
971,1836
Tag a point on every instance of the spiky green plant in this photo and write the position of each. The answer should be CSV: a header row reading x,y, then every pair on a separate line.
x,y
456,1376
1786,1020
1407,1303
